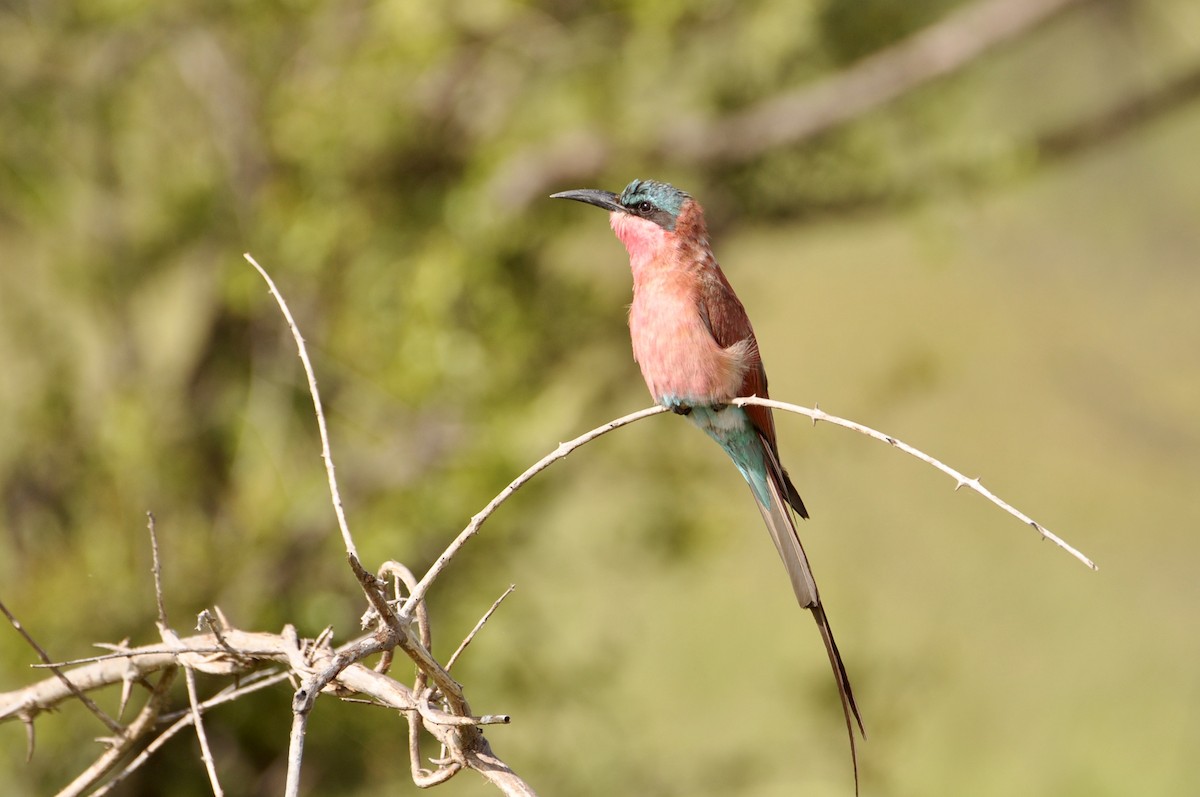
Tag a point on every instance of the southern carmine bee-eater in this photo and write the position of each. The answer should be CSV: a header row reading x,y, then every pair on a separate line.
x,y
697,352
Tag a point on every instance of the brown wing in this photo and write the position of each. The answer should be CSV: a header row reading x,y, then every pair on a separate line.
x,y
726,319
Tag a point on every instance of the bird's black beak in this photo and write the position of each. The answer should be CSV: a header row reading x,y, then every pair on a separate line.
x,y
593,196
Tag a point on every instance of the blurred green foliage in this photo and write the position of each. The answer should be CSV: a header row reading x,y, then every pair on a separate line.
x,y
927,269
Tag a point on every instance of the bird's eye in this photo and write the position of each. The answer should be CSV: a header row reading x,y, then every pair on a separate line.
x,y
644,206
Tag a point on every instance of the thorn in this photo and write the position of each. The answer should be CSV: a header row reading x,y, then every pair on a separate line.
x,y
30,737
368,619
127,679
324,637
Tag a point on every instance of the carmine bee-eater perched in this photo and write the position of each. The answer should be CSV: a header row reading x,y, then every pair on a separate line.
x,y
697,352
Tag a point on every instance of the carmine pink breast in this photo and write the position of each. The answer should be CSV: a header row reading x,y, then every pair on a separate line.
x,y
680,360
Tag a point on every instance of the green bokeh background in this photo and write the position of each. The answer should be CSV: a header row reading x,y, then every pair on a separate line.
x,y
945,269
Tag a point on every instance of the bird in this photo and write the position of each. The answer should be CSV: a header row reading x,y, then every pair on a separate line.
x,y
697,352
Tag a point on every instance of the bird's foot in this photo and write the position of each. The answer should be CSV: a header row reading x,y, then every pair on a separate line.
x,y
681,409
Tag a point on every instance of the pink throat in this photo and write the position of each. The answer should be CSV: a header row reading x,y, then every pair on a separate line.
x,y
643,239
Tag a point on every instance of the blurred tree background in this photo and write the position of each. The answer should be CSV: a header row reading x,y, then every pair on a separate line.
x,y
999,267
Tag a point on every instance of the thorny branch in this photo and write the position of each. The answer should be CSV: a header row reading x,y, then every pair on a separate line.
x,y
243,653
418,592
108,721
395,629
326,454
391,629
962,481
122,743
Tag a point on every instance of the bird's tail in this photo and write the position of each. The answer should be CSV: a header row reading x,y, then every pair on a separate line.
x,y
782,526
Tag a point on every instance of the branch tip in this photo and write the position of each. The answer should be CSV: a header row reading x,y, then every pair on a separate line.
x,y
961,480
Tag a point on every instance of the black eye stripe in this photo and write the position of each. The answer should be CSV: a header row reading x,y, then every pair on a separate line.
x,y
647,209
653,201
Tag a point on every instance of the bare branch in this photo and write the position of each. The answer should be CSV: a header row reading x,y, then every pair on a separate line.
x,y
321,673
403,575
156,569
250,650
123,742
478,754
170,637
303,700
393,630
198,721
498,773
123,652
479,625
422,777
181,720
418,594
326,453
205,621
99,713
251,682
295,752
141,661
962,481
436,717
372,588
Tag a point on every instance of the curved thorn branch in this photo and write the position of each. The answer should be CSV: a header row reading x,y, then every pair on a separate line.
x,y
961,481
418,594
326,453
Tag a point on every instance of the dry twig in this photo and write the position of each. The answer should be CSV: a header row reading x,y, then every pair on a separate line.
x,y
392,629
181,720
120,745
418,593
326,453
962,481
98,712
253,651
486,616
